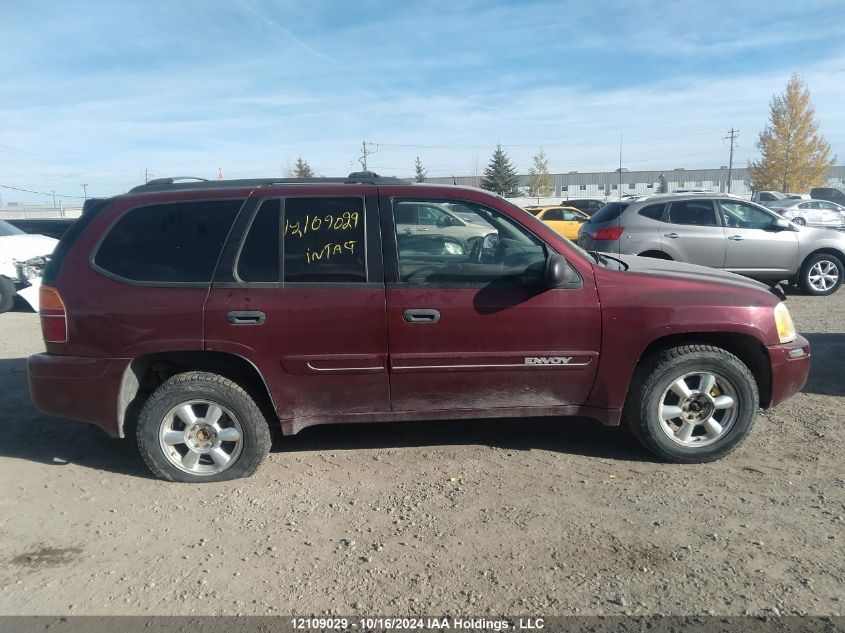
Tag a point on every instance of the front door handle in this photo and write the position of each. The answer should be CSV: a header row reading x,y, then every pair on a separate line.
x,y
672,235
421,315
246,317
736,238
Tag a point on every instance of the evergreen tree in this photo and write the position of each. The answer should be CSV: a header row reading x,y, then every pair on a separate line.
x,y
662,184
500,175
421,172
794,156
539,181
302,169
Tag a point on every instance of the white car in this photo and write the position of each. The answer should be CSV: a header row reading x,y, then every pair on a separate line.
x,y
22,260
810,212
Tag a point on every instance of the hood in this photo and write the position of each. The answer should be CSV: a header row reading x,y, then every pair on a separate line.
x,y
22,247
692,272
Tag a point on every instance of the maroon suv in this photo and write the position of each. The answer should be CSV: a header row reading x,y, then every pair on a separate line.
x,y
198,315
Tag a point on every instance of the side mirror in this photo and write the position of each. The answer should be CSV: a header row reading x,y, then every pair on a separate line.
x,y
558,272
779,224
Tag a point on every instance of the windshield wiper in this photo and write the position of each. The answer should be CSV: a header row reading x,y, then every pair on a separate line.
x,y
603,258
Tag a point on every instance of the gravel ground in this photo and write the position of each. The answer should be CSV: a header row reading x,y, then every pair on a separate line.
x,y
520,517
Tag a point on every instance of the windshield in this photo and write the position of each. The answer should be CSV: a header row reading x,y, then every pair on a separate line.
x,y
7,229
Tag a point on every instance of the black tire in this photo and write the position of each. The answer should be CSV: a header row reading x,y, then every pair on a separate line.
x,y
820,262
7,294
800,221
651,381
199,387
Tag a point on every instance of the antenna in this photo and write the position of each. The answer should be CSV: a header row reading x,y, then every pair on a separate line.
x,y
619,217
620,166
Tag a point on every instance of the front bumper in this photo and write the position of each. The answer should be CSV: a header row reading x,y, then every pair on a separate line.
x,y
790,368
78,387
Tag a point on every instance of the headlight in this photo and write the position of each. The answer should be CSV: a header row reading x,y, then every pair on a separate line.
x,y
453,249
785,326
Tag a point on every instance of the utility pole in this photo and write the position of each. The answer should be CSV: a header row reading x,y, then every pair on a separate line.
x,y
54,199
364,153
731,135
146,175
85,191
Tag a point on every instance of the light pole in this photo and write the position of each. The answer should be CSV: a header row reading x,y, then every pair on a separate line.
x,y
85,191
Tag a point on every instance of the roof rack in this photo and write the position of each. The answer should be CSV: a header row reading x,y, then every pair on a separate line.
x,y
190,182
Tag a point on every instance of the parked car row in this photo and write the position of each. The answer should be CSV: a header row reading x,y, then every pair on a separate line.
x,y
724,232
830,194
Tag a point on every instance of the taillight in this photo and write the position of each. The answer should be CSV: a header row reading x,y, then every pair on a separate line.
x,y
53,315
610,233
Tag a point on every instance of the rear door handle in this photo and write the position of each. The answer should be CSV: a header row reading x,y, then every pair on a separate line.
x,y
736,238
246,317
672,235
421,315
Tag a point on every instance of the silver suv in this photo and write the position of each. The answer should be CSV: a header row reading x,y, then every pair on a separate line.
x,y
720,231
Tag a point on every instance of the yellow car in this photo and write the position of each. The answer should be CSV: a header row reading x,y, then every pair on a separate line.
x,y
565,220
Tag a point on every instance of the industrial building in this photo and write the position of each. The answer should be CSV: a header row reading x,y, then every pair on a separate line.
x,y
607,184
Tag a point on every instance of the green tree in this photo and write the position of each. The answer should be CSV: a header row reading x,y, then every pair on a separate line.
x,y
420,171
793,155
662,184
301,169
539,181
500,175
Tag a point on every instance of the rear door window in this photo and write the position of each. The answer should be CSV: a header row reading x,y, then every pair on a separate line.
x,y
324,240
693,213
168,243
553,215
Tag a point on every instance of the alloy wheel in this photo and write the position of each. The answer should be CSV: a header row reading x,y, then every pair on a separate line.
x,y
698,408
201,437
823,275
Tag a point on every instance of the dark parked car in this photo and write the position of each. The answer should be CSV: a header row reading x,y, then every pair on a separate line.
x,y
831,194
51,227
200,315
587,205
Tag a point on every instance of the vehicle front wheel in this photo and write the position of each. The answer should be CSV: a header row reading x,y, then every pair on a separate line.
x,y
821,274
199,427
800,221
691,404
7,294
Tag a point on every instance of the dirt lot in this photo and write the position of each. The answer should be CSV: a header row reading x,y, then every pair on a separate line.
x,y
490,517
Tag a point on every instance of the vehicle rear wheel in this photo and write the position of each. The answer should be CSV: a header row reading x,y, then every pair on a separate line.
x,y
7,294
691,404
199,427
821,274
800,221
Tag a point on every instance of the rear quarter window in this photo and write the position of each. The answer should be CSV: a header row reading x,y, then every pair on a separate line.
x,y
652,211
168,243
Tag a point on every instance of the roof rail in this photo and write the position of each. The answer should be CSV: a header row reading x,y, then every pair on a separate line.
x,y
188,182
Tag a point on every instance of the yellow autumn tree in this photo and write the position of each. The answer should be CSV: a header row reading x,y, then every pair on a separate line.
x,y
793,155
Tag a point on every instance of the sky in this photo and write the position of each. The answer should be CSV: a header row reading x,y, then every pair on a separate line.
x,y
104,93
